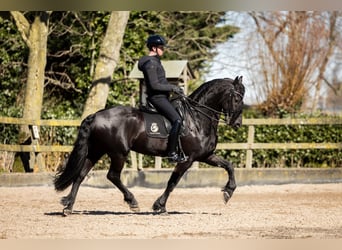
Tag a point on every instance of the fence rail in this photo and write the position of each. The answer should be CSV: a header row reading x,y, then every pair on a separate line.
x,y
249,146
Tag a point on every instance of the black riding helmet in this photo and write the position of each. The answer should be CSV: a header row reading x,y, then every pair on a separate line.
x,y
155,40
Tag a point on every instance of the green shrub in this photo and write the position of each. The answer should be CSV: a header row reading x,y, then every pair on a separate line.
x,y
285,134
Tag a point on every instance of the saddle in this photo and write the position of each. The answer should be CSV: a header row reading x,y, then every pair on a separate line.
x,y
157,126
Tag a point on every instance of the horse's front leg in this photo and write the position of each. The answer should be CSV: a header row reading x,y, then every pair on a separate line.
x,y
159,206
217,161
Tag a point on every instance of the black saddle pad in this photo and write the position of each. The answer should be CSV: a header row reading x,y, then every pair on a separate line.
x,y
156,125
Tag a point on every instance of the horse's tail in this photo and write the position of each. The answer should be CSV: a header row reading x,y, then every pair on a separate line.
x,y
72,169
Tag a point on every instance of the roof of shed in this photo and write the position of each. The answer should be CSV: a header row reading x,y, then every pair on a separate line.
x,y
173,69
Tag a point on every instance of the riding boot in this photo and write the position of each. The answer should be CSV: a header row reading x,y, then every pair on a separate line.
x,y
172,143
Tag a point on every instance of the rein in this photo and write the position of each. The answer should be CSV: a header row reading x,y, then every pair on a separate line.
x,y
196,105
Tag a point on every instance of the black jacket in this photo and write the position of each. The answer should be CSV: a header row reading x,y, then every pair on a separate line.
x,y
154,75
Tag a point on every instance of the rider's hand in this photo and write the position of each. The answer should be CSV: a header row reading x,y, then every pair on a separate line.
x,y
178,90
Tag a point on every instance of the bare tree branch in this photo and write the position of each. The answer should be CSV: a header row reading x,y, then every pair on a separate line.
x,y
299,48
23,26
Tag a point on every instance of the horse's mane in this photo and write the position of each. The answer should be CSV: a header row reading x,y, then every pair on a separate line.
x,y
201,90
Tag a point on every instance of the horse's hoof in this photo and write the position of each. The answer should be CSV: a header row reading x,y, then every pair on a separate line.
x,y
158,209
67,211
226,197
135,208
161,211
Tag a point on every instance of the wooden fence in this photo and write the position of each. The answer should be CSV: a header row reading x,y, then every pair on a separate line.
x,y
249,146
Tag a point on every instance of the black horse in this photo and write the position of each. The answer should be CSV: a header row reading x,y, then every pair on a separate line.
x,y
117,130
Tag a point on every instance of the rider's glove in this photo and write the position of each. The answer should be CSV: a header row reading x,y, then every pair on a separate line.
x,y
178,90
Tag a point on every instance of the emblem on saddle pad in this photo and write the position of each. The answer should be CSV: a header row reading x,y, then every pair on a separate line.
x,y
158,126
154,127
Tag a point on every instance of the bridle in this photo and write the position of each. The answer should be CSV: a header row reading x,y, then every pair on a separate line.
x,y
228,115
231,109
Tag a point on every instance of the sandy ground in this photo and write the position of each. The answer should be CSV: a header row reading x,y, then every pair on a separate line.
x,y
293,211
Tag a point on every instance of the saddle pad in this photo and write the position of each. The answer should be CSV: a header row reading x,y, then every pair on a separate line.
x,y
155,125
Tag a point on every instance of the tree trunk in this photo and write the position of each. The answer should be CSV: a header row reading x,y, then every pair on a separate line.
x,y
35,35
106,63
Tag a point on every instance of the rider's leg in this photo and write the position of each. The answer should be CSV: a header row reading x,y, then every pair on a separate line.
x,y
164,107
173,141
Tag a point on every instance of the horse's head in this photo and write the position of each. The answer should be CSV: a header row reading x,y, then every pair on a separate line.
x,y
233,104
221,96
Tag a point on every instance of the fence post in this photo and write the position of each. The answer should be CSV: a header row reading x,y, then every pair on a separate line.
x,y
250,141
140,162
157,162
37,162
134,160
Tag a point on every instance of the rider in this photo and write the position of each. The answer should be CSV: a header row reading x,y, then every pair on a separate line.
x,y
158,90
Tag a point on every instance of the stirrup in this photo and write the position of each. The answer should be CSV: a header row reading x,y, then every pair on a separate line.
x,y
177,158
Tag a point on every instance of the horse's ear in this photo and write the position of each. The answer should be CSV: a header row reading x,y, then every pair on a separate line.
x,y
237,80
240,80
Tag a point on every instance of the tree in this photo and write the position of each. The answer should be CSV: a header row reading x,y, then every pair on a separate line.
x,y
13,70
35,36
74,44
333,100
294,51
332,38
106,63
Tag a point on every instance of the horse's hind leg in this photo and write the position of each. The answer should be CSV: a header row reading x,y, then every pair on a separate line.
x,y
69,200
114,175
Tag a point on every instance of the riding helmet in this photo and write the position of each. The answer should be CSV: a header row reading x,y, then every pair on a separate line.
x,y
155,40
